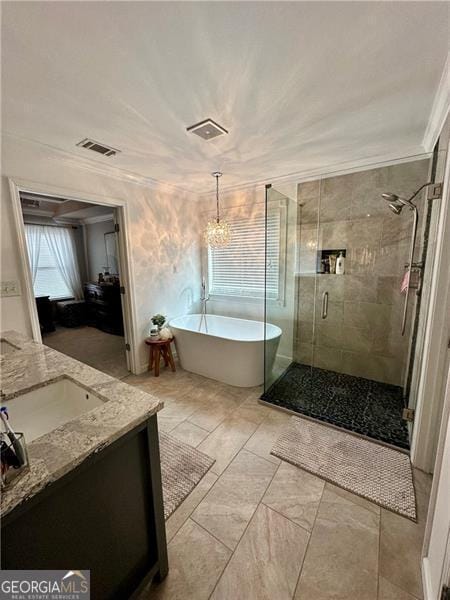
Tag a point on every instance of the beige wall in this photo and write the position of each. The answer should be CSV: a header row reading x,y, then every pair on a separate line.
x,y
362,334
95,247
163,234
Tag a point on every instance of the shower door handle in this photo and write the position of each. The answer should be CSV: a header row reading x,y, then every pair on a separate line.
x,y
324,305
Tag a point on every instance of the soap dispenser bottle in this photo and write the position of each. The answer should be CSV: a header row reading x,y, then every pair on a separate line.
x,y
340,264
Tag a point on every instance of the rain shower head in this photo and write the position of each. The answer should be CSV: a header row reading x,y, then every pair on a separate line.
x,y
396,208
396,203
390,197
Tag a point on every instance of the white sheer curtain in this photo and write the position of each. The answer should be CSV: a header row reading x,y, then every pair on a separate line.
x,y
33,234
61,242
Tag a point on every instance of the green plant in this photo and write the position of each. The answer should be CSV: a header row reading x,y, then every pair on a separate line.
x,y
158,320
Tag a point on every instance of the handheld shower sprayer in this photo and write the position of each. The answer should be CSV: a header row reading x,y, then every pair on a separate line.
x,y
396,204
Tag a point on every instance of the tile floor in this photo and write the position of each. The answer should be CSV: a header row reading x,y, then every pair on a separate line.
x,y
257,528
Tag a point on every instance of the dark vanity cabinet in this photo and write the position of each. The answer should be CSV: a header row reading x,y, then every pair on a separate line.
x,y
104,307
106,515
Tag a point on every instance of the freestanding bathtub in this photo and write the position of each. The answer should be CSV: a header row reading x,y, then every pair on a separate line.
x,y
224,348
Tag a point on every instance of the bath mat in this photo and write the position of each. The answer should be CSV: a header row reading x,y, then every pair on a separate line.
x,y
375,472
182,468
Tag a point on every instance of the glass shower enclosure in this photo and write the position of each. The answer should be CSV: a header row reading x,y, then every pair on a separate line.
x,y
336,254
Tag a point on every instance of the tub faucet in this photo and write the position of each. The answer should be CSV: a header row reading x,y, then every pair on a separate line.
x,y
203,296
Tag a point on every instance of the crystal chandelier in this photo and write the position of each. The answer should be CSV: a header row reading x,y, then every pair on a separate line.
x,y
217,234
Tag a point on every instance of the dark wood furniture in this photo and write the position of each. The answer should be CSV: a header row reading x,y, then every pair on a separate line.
x,y
105,515
71,313
45,314
158,349
104,307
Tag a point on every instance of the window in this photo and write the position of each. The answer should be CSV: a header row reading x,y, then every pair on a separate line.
x,y
238,269
49,281
53,262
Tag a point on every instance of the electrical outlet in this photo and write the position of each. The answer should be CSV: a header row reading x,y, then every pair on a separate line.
x,y
10,288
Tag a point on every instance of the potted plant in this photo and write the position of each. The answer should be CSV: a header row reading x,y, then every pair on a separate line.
x,y
158,320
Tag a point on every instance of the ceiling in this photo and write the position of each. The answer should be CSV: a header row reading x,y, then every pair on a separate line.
x,y
298,85
62,209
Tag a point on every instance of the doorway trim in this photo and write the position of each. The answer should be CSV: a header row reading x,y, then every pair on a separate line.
x,y
435,347
17,186
436,548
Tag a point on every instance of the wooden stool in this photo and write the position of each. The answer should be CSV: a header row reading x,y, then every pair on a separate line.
x,y
158,349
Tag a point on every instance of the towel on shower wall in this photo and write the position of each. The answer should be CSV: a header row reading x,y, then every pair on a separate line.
x,y
405,283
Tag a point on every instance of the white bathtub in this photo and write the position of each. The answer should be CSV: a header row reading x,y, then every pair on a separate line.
x,y
227,349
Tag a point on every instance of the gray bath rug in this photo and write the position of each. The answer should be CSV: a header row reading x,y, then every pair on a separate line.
x,y
376,472
182,467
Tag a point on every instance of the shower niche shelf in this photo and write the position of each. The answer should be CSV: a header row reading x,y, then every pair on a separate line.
x,y
325,264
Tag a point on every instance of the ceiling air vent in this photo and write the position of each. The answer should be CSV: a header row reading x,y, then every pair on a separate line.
x,y
207,129
97,147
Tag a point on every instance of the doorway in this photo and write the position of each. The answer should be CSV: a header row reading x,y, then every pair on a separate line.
x,y
77,277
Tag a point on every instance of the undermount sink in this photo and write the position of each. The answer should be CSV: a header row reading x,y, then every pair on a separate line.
x,y
44,409
6,347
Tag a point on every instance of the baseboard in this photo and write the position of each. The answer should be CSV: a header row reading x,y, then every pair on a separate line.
x,y
142,368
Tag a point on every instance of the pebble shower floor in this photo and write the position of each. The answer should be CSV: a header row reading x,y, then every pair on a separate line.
x,y
367,407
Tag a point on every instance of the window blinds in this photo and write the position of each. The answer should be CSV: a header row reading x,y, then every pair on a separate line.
x,y
49,281
238,269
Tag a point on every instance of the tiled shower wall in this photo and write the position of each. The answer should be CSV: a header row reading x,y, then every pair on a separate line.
x,y
361,335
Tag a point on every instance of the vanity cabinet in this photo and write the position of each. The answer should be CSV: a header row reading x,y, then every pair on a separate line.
x,y
105,515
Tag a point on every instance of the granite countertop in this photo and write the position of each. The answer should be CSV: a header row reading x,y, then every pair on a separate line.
x,y
54,454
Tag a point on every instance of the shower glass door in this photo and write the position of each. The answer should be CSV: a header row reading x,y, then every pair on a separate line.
x,y
342,358
359,355
280,292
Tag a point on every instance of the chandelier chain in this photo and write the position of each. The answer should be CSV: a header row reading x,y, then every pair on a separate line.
x,y
217,196
217,234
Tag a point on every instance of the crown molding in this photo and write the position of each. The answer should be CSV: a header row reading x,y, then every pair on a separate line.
x,y
440,109
98,168
333,170
51,217
97,219
67,220
38,212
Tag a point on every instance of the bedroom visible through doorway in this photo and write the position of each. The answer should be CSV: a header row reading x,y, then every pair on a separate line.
x,y
73,254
